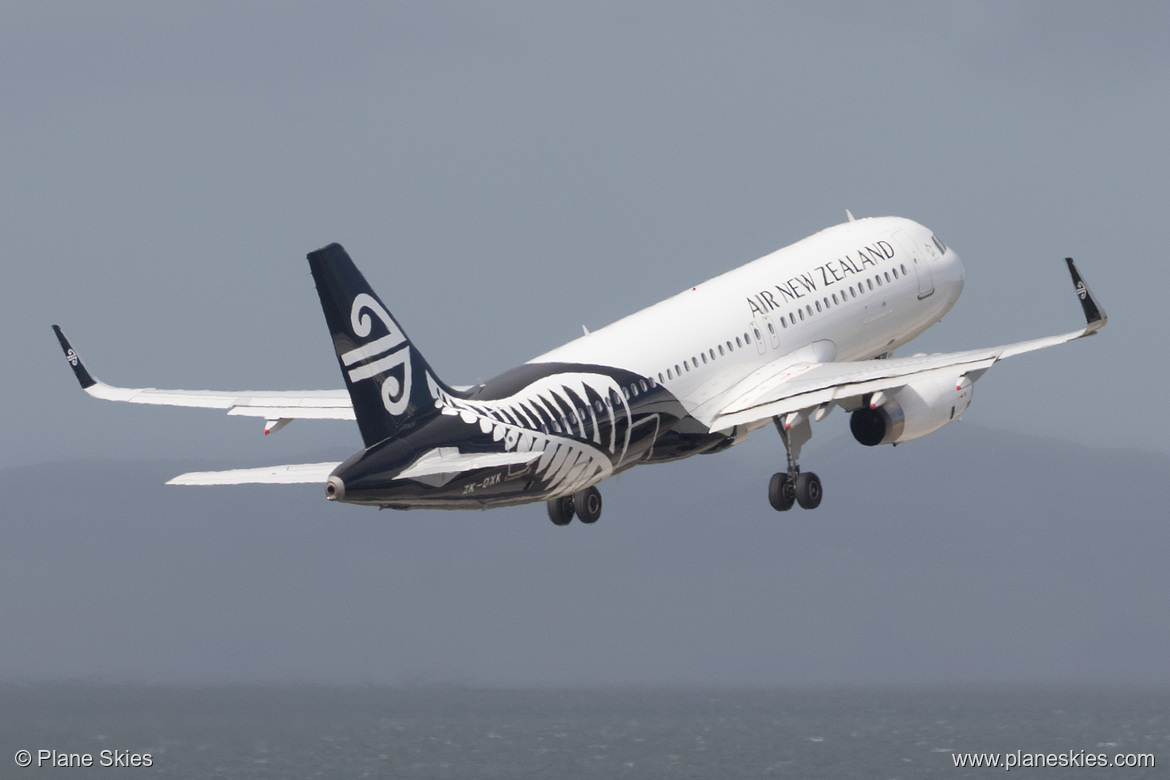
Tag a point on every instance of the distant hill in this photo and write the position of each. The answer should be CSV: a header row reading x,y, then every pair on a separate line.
x,y
973,555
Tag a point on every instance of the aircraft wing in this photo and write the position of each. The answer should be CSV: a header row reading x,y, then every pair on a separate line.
x,y
270,475
277,407
806,386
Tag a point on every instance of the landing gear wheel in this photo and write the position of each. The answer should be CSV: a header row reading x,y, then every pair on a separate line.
x,y
781,493
560,510
588,505
808,490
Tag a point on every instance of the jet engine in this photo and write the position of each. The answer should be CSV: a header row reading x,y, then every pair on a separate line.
x,y
914,410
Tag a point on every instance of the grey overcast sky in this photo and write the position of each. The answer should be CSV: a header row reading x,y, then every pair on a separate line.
x,y
506,172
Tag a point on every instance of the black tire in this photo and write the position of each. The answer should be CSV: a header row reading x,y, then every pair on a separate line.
x,y
560,510
808,490
781,494
588,505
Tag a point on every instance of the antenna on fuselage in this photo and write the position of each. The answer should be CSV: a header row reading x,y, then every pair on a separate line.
x,y
849,214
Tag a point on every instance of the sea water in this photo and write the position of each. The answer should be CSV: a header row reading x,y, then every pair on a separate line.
x,y
449,732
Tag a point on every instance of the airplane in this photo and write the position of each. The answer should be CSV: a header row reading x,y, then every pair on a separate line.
x,y
780,341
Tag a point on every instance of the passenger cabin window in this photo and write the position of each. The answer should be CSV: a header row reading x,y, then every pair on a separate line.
x,y
887,276
738,343
720,349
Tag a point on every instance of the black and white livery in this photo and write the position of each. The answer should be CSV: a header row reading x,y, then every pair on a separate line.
x,y
781,342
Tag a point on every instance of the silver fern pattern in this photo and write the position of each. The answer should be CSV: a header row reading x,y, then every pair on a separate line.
x,y
582,441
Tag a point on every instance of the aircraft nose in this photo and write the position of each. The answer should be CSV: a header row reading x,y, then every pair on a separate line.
x,y
335,489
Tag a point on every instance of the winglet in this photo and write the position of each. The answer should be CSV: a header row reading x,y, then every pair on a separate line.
x,y
1095,318
87,381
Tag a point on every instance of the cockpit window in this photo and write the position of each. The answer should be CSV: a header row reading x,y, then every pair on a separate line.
x,y
941,246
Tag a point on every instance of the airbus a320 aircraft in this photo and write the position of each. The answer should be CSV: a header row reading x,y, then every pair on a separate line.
x,y
782,340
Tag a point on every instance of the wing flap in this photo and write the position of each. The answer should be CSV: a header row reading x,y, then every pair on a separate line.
x,y
834,385
294,412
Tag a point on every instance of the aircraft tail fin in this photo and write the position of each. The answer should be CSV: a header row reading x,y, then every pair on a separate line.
x,y
392,387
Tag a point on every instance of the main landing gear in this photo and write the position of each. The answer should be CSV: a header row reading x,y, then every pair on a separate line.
x,y
793,487
586,504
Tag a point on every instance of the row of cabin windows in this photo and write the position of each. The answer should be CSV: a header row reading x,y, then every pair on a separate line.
x,y
848,293
740,343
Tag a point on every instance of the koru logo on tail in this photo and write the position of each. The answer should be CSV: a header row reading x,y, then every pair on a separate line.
x,y
1082,291
71,356
383,354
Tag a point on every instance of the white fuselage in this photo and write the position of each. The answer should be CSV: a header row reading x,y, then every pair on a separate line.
x,y
850,292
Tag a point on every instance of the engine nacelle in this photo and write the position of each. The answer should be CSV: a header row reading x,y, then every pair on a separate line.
x,y
919,408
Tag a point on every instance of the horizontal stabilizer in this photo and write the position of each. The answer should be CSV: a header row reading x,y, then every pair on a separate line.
x,y
449,460
268,475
